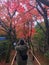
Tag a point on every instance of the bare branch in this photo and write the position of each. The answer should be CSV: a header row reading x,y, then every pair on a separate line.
x,y
3,29
11,16
3,25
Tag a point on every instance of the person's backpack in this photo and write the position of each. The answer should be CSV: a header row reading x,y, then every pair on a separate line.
x,y
23,55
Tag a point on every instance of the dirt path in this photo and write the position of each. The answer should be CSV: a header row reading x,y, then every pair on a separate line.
x,y
38,55
29,61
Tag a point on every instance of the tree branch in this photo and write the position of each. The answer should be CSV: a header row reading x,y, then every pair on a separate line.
x,y
3,25
11,16
3,30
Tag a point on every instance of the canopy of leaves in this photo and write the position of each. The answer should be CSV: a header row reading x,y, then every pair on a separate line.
x,y
22,12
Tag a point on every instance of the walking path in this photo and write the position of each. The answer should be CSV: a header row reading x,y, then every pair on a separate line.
x,y
39,57
29,61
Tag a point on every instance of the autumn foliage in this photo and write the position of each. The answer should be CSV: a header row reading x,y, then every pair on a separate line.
x,y
22,12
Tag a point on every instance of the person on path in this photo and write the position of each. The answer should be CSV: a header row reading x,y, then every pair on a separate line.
x,y
22,56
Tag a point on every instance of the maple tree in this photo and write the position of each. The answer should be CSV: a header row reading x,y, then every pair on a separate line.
x,y
16,13
17,18
12,8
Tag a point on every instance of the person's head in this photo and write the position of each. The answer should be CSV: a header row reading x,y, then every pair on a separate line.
x,y
22,42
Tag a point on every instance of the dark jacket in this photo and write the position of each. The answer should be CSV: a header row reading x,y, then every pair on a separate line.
x,y
19,60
